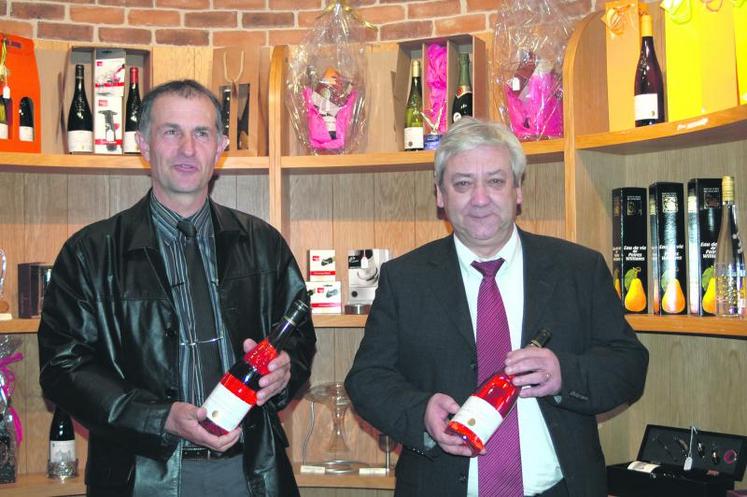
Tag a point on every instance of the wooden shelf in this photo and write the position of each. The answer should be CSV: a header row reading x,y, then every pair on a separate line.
x,y
718,127
19,326
96,164
689,325
339,320
343,481
38,485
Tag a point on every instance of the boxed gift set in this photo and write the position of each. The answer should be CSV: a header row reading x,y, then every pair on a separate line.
x,y
680,462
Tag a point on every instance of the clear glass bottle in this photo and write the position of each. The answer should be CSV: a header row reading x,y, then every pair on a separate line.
x,y
414,111
729,267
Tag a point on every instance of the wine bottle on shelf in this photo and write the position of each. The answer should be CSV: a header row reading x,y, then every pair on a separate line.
x,y
649,85
484,411
462,105
8,104
63,462
132,114
413,111
79,118
3,120
236,393
242,133
26,120
729,267
225,114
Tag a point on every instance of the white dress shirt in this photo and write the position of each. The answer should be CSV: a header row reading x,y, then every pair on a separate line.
x,y
539,463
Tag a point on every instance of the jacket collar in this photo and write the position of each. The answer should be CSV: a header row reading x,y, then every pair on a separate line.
x,y
540,278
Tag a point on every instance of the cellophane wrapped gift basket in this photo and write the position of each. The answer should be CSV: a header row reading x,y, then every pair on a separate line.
x,y
326,92
528,48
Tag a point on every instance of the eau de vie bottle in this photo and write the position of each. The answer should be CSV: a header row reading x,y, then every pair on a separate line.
x,y
729,267
236,393
484,411
649,85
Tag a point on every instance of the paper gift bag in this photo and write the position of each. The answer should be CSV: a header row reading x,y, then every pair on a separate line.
x,y
623,42
700,57
20,81
740,43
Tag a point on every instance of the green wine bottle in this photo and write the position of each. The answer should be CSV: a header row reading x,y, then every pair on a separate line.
x,y
413,111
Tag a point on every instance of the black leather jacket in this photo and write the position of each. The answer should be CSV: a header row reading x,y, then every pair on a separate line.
x,y
108,346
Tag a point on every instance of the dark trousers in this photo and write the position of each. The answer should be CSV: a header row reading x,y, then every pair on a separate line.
x,y
222,477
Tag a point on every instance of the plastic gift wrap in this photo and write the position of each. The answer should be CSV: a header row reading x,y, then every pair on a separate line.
x,y
11,432
326,82
528,49
435,112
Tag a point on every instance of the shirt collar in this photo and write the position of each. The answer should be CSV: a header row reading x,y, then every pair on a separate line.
x,y
166,219
507,253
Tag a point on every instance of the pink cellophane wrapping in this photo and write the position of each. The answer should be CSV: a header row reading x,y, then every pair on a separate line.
x,y
319,137
435,79
537,111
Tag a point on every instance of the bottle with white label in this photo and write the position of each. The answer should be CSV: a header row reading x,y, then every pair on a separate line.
x,y
79,118
63,462
26,120
132,114
649,85
414,111
236,393
484,411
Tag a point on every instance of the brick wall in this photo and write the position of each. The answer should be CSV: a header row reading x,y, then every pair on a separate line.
x,y
222,22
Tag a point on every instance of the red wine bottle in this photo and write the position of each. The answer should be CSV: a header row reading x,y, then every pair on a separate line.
x,y
26,120
132,114
236,393
484,411
63,461
79,118
649,85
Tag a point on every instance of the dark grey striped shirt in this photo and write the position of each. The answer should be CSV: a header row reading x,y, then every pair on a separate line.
x,y
171,245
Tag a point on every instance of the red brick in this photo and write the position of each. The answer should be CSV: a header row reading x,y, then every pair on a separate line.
x,y
154,17
406,30
82,1
97,15
295,4
222,19
383,14
64,31
474,23
126,35
235,38
182,37
127,3
441,8
267,19
183,4
17,28
29,10
286,36
239,4
3,8
474,5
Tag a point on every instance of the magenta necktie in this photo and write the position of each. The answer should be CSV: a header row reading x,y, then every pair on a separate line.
x,y
499,471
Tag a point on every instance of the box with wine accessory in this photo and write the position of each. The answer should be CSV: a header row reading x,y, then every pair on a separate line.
x,y
703,223
680,462
363,274
235,80
100,111
629,249
668,262
460,64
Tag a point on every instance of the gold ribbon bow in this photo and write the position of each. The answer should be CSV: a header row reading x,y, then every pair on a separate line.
x,y
4,72
614,18
348,10
679,11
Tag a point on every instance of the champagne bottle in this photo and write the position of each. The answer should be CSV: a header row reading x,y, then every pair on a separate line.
x,y
63,462
236,393
242,133
413,111
3,120
462,105
484,411
79,119
649,86
729,267
132,114
225,114
26,120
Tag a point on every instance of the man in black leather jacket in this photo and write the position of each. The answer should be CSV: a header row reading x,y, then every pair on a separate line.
x,y
117,334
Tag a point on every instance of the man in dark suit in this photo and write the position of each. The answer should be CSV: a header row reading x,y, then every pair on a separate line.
x,y
418,360
147,309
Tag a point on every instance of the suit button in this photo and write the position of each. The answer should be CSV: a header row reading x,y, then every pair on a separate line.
x,y
462,478
473,365
171,332
171,393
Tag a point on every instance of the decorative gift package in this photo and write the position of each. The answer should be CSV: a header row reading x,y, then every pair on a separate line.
x,y
326,91
528,48
11,432
700,57
20,122
740,43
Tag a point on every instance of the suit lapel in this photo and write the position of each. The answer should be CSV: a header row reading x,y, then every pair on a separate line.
x,y
539,281
445,281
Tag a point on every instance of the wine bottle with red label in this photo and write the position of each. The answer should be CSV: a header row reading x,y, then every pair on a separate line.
x,y
484,411
236,393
